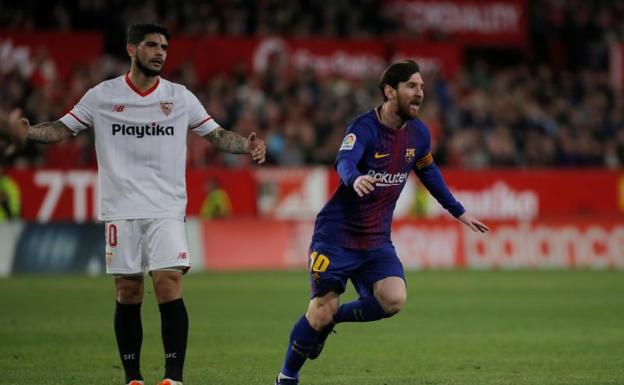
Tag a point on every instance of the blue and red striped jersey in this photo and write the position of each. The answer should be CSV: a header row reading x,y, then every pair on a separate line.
x,y
388,155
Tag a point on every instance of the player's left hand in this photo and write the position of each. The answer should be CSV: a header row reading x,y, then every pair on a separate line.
x,y
473,223
256,148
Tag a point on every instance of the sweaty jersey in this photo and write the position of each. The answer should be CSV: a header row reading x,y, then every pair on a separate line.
x,y
388,155
140,142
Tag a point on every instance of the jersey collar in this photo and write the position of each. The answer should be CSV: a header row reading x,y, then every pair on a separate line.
x,y
381,123
137,90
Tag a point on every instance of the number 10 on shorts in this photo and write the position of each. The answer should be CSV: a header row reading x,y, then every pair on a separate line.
x,y
318,262
111,235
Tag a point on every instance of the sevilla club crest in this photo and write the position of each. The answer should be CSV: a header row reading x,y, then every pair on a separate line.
x,y
166,107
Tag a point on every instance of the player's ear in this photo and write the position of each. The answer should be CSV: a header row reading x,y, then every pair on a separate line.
x,y
131,49
389,91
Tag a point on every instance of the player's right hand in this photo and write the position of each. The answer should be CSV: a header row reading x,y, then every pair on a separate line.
x,y
364,184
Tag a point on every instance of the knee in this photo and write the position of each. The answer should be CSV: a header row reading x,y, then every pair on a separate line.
x,y
167,287
129,291
320,315
393,302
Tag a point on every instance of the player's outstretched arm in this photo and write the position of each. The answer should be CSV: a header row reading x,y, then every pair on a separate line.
x,y
233,143
473,223
20,130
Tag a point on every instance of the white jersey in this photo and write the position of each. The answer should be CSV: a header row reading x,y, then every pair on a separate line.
x,y
140,141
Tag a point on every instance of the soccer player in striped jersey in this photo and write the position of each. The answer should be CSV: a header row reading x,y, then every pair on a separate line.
x,y
141,123
351,237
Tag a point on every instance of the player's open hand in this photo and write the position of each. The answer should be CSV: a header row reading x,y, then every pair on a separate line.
x,y
474,224
364,184
256,148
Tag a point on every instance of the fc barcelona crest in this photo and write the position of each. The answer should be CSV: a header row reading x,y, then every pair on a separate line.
x,y
166,107
410,154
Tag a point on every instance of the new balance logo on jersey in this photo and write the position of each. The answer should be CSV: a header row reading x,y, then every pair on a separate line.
x,y
140,131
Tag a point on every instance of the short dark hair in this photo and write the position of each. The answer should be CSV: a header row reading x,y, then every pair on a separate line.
x,y
136,33
396,73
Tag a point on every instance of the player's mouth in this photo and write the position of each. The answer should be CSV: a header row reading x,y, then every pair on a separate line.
x,y
157,61
415,104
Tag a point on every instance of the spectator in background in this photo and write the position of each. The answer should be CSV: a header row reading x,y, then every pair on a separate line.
x,y
217,203
5,138
10,197
10,194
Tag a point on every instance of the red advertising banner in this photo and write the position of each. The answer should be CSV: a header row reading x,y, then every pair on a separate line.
x,y
532,194
50,195
327,57
496,195
428,244
445,58
578,243
494,22
71,195
238,187
210,55
68,50
291,193
252,244
299,193
213,55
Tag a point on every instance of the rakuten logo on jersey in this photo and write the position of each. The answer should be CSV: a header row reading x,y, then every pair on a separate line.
x,y
141,131
387,179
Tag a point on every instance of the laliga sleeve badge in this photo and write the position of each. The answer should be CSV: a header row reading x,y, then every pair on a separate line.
x,y
348,142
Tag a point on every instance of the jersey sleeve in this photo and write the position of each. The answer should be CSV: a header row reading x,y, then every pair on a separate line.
x,y
431,177
200,122
351,151
81,116
425,158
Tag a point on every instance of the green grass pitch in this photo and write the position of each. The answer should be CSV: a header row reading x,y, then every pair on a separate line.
x,y
464,328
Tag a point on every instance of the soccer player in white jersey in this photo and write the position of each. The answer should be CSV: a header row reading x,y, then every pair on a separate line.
x,y
141,122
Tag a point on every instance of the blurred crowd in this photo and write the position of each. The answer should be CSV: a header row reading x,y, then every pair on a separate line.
x,y
508,117
551,110
571,21
345,18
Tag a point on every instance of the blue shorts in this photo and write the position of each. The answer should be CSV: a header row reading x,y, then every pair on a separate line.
x,y
331,266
